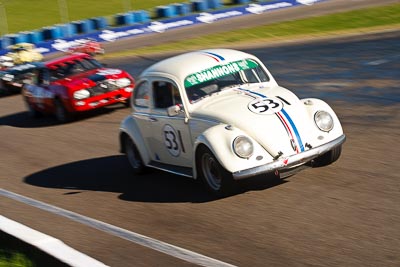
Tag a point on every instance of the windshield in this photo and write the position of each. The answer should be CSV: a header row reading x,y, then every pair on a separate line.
x,y
209,81
69,68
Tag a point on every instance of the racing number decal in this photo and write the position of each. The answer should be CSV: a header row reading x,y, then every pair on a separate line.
x,y
171,140
265,106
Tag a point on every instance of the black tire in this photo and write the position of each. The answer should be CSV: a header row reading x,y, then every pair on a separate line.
x,y
32,112
61,113
127,103
216,179
3,88
133,156
328,158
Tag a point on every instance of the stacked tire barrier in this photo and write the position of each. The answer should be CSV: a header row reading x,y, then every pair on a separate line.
x,y
139,22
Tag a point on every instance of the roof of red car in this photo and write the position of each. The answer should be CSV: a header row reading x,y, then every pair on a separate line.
x,y
66,59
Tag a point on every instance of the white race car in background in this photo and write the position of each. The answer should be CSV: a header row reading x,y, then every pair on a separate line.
x,y
218,115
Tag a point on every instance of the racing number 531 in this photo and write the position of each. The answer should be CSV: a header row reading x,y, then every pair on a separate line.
x,y
265,106
171,140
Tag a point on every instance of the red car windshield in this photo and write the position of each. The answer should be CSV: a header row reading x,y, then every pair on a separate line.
x,y
69,68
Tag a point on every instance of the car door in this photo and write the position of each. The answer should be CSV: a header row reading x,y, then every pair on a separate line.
x,y
39,91
169,138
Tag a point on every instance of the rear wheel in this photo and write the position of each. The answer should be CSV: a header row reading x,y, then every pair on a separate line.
x,y
127,103
61,113
328,158
214,177
134,158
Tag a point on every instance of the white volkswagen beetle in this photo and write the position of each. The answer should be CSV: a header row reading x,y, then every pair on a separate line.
x,y
218,115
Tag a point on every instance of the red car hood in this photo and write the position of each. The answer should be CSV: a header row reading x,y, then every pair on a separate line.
x,y
90,78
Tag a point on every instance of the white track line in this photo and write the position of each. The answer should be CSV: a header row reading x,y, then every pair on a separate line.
x,y
139,239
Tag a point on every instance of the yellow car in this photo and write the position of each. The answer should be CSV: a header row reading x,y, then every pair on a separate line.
x,y
23,53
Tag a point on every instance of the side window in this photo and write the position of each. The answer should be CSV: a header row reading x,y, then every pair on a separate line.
x,y
261,74
166,94
57,73
32,77
142,95
43,77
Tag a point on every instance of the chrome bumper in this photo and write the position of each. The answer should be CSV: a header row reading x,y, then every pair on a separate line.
x,y
291,161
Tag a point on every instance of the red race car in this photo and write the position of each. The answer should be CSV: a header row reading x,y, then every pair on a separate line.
x,y
88,46
75,83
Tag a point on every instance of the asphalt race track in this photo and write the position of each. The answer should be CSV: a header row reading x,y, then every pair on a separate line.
x,y
346,214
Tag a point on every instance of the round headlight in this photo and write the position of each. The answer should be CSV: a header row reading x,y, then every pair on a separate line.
x,y
243,147
123,82
323,120
81,94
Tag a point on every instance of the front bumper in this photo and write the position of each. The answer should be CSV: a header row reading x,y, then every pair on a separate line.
x,y
105,99
286,163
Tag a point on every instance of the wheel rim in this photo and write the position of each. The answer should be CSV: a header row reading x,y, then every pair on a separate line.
x,y
211,171
132,155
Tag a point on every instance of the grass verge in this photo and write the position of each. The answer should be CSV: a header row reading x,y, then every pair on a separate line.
x,y
14,259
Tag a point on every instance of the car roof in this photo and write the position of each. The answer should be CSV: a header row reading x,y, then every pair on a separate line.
x,y
66,58
185,64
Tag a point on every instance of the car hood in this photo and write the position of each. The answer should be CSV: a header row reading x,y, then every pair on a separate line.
x,y
90,78
280,124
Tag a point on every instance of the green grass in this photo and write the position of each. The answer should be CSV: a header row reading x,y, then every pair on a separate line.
x,y
14,259
351,21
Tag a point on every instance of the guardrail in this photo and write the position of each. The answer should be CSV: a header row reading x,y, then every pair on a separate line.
x,y
62,36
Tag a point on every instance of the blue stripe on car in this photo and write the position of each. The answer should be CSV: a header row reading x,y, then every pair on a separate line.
x,y
215,55
287,116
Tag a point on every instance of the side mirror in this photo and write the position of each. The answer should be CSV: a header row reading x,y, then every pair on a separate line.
x,y
174,110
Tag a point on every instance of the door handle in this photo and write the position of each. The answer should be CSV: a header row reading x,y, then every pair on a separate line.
x,y
151,119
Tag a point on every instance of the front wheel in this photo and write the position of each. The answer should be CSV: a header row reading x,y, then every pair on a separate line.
x,y
61,113
127,103
328,158
33,113
213,175
134,158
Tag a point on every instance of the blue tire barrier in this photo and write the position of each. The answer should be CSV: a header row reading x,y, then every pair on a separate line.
x,y
9,39
141,16
240,2
199,5
214,4
20,37
4,42
51,33
119,20
87,26
83,26
182,9
99,23
124,19
67,30
165,11
34,37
